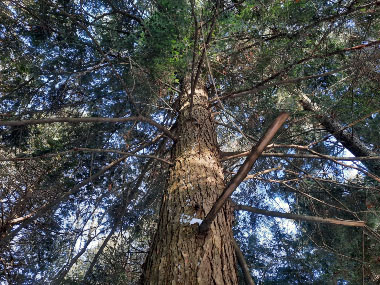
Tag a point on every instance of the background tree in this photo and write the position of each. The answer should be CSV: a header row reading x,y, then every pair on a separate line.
x,y
93,118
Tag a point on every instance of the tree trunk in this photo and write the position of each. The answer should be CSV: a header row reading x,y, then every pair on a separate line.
x,y
179,254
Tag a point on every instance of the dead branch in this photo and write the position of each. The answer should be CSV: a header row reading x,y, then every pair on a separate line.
x,y
301,217
243,171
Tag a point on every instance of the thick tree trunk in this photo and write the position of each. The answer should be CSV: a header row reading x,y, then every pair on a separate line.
x,y
179,254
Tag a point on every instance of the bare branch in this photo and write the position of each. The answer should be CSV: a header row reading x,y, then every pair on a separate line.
x,y
301,217
226,156
243,264
260,173
243,171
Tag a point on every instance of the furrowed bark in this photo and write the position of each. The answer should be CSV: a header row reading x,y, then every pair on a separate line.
x,y
243,171
179,255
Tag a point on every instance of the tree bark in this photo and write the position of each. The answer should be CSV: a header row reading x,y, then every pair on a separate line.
x,y
179,254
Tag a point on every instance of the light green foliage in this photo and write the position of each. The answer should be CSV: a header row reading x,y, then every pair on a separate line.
x,y
165,45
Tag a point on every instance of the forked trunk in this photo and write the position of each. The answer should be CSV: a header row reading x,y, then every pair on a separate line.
x,y
179,255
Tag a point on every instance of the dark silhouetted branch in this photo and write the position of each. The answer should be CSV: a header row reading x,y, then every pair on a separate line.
x,y
301,217
89,120
268,82
243,264
243,171
347,138
228,156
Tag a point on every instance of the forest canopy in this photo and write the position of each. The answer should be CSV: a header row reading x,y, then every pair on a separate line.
x,y
196,142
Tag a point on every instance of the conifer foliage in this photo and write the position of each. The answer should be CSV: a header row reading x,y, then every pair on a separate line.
x,y
189,142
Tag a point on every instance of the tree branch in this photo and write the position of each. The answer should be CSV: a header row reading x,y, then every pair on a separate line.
x,y
243,264
126,14
348,139
243,171
52,204
302,30
126,202
89,120
300,217
264,84
232,155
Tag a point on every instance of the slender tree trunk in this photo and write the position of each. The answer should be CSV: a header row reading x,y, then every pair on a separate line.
x,y
179,254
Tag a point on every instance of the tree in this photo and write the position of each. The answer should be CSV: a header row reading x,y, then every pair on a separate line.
x,y
124,119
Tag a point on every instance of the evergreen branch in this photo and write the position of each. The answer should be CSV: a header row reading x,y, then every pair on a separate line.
x,y
308,176
126,202
301,217
263,84
82,149
350,125
369,174
192,81
328,192
123,153
56,202
66,269
348,139
101,52
293,189
202,57
89,120
243,171
126,14
302,30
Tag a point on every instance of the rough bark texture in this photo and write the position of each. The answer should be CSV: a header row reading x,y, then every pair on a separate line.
x,y
179,254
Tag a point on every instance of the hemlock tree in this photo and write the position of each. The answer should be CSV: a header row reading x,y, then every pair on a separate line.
x,y
136,135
